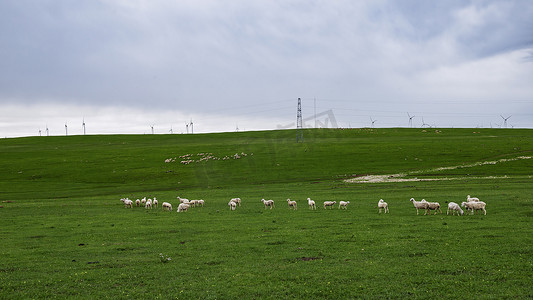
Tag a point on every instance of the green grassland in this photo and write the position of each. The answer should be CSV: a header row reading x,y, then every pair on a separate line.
x,y
64,233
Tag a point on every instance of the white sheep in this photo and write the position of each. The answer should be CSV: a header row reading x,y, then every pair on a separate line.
x,y
148,204
383,205
200,202
454,207
137,202
269,203
343,204
473,199
183,200
329,203
192,203
292,204
155,202
236,200
232,205
167,206
432,206
183,207
143,201
127,202
311,203
420,205
475,206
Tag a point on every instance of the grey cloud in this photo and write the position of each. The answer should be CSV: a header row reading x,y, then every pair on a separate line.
x,y
211,55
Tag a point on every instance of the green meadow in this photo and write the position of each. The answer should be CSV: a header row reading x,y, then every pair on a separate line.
x,y
66,234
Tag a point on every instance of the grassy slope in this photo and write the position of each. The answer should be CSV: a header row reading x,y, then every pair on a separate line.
x,y
65,233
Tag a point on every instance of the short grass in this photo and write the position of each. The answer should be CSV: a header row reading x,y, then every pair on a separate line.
x,y
65,234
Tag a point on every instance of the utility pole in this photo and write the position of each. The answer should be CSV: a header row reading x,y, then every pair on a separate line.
x,y
299,123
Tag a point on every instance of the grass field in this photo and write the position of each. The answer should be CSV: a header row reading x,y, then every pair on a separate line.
x,y
64,232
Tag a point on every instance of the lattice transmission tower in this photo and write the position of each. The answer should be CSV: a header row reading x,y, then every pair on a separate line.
x,y
299,123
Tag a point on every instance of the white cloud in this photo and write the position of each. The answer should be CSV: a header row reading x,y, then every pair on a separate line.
x,y
27,119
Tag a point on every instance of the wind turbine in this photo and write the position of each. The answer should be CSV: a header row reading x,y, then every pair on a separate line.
x,y
424,123
170,129
47,130
192,128
410,119
152,126
66,129
505,120
83,125
373,121
39,131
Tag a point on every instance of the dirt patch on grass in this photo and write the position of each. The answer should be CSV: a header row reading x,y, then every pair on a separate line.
x,y
308,258
402,177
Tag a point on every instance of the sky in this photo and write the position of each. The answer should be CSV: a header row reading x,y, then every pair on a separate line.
x,y
127,66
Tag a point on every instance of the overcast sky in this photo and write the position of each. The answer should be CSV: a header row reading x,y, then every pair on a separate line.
x,y
125,65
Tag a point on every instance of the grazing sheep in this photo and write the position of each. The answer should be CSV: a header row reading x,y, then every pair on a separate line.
x,y
192,203
343,204
236,200
155,202
311,203
454,207
143,201
232,205
420,205
329,203
167,206
148,204
137,202
200,202
268,203
127,202
183,200
474,199
475,206
292,204
432,206
183,207
383,205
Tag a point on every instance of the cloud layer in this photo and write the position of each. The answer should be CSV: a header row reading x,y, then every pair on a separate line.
x,y
380,58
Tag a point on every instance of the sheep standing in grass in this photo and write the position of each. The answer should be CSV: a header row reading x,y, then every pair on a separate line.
x,y
155,202
137,202
237,201
269,203
232,205
454,207
292,204
473,199
183,207
432,206
183,200
143,201
148,204
127,202
200,202
343,204
311,203
383,205
475,206
420,205
329,203
193,203
167,206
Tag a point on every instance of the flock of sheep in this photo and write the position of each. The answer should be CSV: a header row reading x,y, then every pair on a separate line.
x,y
471,204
